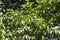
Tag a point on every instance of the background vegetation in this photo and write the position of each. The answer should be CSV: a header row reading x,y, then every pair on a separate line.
x,y
29,19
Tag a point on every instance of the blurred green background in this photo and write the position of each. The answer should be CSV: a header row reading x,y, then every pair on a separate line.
x,y
30,20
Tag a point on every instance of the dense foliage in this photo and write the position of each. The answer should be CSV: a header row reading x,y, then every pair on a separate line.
x,y
29,19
